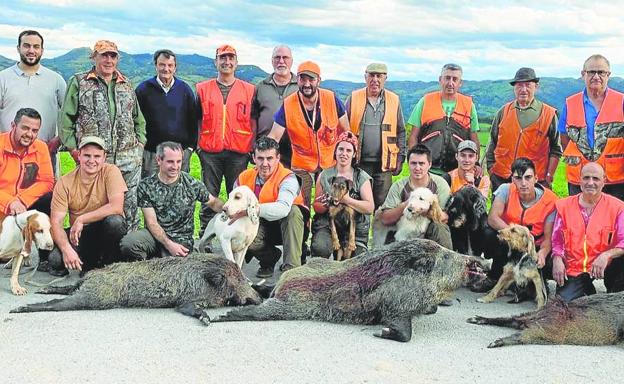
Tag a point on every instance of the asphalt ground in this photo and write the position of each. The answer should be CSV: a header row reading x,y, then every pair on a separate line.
x,y
163,346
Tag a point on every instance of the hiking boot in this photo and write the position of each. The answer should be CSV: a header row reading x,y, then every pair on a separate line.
x,y
43,266
265,272
484,285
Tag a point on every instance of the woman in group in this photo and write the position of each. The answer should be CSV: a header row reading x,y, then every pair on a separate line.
x,y
360,198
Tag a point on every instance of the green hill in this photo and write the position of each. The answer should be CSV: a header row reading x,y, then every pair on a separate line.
x,y
489,95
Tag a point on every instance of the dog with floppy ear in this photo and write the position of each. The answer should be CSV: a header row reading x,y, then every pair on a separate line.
x,y
235,237
422,208
341,217
467,220
17,235
522,266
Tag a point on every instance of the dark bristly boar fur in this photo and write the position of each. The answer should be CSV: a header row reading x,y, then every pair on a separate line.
x,y
589,320
200,280
386,286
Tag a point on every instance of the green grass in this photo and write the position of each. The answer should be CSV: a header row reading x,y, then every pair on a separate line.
x,y
560,185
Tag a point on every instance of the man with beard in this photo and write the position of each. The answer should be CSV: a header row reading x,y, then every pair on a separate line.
x,y
270,94
313,118
226,129
28,84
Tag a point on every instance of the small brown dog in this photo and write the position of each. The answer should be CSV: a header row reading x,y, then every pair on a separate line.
x,y
341,217
522,265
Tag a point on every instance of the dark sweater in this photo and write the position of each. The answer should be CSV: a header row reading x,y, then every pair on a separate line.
x,y
169,116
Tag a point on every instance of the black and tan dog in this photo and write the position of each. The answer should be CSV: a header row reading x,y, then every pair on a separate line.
x,y
467,219
341,218
522,266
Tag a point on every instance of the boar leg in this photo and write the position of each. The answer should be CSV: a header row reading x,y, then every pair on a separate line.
x,y
271,309
509,340
509,322
397,329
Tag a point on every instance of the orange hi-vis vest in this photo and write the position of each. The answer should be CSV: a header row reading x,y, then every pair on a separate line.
x,y
531,142
533,217
432,110
583,244
225,126
270,189
608,150
312,150
442,134
389,148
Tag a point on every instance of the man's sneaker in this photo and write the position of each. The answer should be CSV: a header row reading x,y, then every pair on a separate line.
x,y
264,272
485,285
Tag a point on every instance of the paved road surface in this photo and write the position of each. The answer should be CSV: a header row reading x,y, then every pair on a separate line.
x,y
162,346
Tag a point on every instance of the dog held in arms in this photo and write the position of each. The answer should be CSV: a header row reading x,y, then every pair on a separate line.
x,y
197,281
422,208
18,234
341,218
589,320
235,238
467,219
522,266
388,286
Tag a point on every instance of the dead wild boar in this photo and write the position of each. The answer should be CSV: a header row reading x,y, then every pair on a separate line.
x,y
201,280
589,320
387,286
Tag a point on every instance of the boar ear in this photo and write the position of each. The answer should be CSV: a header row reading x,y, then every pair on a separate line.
x,y
422,264
214,276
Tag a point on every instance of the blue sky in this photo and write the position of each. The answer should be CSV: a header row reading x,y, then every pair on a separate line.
x,y
490,39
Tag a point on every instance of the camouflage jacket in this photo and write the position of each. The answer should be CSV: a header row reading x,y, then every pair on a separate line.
x,y
174,204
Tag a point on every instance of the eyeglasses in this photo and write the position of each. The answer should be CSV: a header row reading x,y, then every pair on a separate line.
x,y
600,73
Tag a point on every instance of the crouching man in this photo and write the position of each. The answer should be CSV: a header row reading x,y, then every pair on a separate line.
x,y
419,162
93,195
282,210
167,200
588,238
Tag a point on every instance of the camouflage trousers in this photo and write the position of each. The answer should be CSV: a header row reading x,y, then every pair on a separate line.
x,y
129,163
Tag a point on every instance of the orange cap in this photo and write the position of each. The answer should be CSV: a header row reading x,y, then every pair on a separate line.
x,y
226,49
309,68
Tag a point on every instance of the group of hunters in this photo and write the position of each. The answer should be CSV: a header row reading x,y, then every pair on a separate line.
x,y
133,146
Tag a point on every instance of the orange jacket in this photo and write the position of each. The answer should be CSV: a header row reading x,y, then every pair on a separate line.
x,y
389,148
611,157
456,182
583,244
26,177
312,150
533,217
270,189
225,126
530,142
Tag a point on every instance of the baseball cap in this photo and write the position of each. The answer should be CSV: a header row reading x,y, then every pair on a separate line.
x,y
309,68
102,46
226,49
92,140
467,144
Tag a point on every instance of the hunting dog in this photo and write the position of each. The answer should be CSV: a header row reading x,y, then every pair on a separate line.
x,y
234,237
422,208
17,235
522,265
467,220
341,218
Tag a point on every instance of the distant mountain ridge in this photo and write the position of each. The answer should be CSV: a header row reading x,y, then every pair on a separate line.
x,y
489,95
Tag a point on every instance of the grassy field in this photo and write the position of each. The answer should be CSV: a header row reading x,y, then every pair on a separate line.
x,y
559,184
